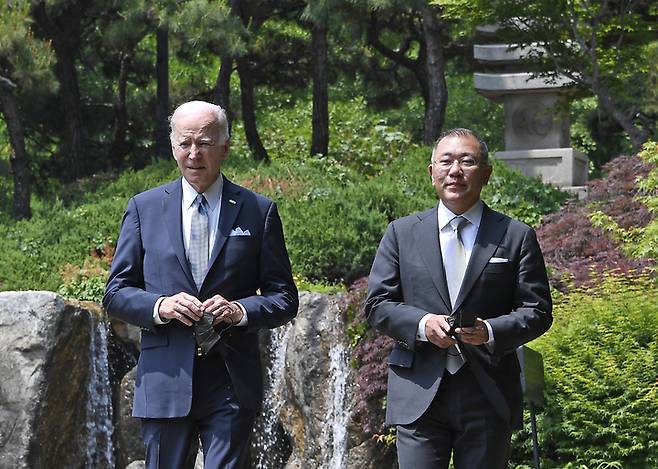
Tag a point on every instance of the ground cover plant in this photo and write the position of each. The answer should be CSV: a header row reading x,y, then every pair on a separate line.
x,y
335,209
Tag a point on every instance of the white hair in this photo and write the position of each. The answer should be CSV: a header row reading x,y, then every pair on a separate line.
x,y
217,111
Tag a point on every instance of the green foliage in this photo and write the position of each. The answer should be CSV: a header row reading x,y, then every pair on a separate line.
x,y
601,365
23,58
334,208
87,289
38,254
527,199
638,242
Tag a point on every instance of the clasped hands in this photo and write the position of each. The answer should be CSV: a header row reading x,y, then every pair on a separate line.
x,y
188,309
437,330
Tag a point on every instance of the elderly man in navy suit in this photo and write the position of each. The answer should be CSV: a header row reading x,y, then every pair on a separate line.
x,y
200,266
458,287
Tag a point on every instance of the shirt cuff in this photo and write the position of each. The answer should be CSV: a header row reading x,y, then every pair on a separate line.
x,y
244,320
156,314
420,333
491,343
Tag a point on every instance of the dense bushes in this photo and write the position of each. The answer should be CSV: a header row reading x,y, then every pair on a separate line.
x,y
574,248
334,210
601,366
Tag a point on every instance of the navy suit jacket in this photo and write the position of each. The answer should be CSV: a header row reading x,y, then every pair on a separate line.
x,y
408,280
150,262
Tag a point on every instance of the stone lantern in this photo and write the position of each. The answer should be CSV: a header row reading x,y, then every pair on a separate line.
x,y
537,120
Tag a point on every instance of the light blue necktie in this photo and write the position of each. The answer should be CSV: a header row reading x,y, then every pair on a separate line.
x,y
198,248
455,270
198,253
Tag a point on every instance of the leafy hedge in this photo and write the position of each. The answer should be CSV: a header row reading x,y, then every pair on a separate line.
x,y
601,368
334,210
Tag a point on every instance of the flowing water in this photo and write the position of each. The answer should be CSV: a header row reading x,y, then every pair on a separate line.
x,y
100,451
272,448
337,412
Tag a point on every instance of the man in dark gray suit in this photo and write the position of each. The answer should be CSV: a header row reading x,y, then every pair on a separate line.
x,y
456,390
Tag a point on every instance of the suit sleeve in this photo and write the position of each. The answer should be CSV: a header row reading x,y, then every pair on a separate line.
x,y
384,304
532,312
278,300
125,297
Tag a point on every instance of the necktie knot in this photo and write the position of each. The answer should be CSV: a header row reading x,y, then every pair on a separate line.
x,y
458,223
202,204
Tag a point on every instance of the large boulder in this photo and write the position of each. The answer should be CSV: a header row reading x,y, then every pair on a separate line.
x,y
310,395
55,397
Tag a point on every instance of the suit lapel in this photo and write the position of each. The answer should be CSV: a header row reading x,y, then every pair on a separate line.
x,y
426,233
491,232
174,221
231,204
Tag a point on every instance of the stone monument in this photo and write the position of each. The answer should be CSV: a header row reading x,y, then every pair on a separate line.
x,y
537,120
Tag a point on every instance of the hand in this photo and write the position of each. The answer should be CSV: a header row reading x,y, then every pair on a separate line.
x,y
436,330
182,307
223,310
476,335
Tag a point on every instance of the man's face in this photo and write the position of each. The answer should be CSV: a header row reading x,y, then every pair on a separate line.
x,y
196,146
457,172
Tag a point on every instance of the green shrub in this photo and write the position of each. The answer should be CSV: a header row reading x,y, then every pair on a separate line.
x,y
36,254
334,208
601,368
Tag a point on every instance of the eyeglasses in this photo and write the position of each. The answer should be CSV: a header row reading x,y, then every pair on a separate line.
x,y
465,163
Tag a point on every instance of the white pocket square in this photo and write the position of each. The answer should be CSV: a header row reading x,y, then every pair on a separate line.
x,y
498,260
239,232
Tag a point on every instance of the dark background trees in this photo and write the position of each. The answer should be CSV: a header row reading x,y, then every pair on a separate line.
x,y
88,86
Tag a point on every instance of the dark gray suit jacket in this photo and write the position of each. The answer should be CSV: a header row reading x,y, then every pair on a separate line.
x,y
408,280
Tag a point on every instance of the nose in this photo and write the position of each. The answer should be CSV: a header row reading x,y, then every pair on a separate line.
x,y
455,168
194,151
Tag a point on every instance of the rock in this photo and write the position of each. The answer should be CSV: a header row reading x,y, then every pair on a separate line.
x,y
316,384
54,396
305,420
128,428
136,465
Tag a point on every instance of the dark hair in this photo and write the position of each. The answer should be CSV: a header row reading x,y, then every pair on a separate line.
x,y
462,132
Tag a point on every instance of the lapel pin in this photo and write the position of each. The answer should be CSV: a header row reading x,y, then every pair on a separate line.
x,y
232,201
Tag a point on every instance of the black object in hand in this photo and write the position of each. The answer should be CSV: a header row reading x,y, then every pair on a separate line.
x,y
460,319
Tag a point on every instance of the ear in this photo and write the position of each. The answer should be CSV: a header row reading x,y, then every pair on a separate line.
x,y
487,174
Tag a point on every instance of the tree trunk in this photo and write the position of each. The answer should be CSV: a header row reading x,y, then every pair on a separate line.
x,y
320,138
637,135
437,92
223,87
248,111
20,164
417,66
119,149
64,30
72,107
162,141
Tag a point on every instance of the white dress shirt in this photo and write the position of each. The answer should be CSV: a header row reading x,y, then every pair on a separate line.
x,y
213,196
468,233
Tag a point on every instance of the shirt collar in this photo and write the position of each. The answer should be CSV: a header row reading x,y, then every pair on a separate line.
x,y
473,214
213,193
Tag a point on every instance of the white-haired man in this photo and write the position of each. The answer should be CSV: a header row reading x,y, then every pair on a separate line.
x,y
201,266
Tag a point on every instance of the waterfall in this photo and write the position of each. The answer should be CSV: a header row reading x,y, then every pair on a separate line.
x,y
99,451
268,439
337,412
